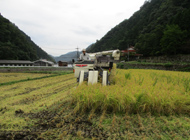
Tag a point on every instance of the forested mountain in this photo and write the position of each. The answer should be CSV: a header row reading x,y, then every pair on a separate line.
x,y
16,45
160,27
68,56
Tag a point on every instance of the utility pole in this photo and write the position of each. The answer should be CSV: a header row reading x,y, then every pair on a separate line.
x,y
77,52
128,52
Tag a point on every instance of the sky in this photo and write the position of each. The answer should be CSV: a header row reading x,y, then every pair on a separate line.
x,y
61,26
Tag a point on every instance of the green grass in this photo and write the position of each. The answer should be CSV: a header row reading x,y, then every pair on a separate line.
x,y
50,72
180,66
151,63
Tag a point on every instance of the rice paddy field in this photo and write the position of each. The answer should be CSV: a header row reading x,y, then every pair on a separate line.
x,y
139,104
9,77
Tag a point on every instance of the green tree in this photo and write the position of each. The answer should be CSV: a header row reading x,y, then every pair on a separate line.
x,y
146,27
16,45
172,39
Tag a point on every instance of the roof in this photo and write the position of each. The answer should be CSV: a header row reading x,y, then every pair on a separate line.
x,y
45,61
130,49
15,62
126,51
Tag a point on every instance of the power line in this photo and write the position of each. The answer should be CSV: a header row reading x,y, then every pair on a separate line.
x,y
58,49
66,57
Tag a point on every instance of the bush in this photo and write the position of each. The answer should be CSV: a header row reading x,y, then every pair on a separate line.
x,y
120,65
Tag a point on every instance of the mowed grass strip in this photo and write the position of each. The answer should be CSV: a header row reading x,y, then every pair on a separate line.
x,y
30,76
9,77
138,91
24,88
43,95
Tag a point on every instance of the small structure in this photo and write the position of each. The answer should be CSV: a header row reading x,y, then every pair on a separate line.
x,y
43,62
131,52
62,63
17,63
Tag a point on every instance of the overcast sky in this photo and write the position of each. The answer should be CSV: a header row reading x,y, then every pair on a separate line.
x,y
60,26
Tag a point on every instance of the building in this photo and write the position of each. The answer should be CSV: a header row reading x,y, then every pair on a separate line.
x,y
17,63
131,53
61,63
130,50
43,62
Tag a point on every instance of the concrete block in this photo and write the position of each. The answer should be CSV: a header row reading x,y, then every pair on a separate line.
x,y
81,78
105,78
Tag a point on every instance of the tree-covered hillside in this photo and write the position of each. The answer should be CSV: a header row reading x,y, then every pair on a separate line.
x,y
160,27
16,45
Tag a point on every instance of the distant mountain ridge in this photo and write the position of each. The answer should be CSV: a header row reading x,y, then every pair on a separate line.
x,y
160,27
16,45
68,56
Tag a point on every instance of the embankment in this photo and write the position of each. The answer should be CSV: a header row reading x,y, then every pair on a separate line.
x,y
30,69
166,66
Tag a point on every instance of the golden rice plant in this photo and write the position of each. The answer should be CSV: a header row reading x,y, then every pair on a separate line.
x,y
137,91
112,77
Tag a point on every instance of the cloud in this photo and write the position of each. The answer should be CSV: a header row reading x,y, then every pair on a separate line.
x,y
59,26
